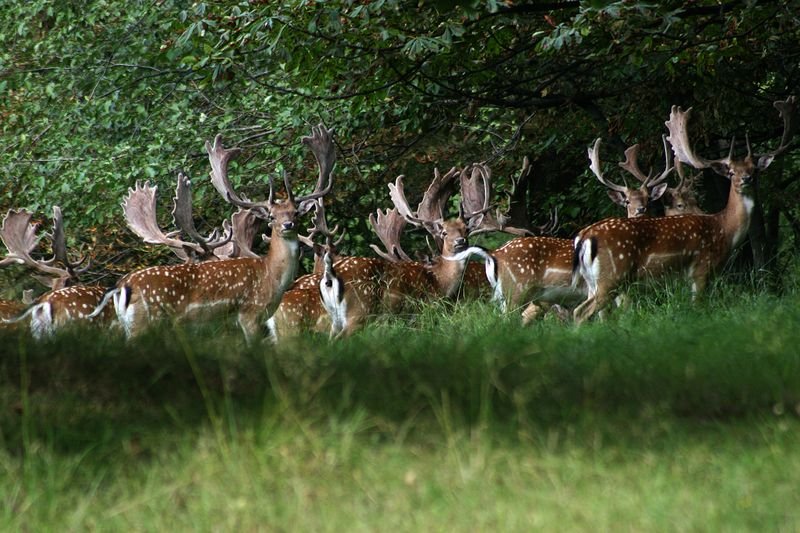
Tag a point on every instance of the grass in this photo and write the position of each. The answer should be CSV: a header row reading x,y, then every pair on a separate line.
x,y
667,416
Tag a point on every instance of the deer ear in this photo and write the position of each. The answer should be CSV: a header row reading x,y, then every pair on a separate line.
x,y
720,168
657,191
617,197
764,161
305,207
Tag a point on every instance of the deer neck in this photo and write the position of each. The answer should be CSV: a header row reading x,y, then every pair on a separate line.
x,y
282,260
448,274
735,218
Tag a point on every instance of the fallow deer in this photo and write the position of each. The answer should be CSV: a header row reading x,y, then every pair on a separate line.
x,y
614,250
252,287
681,200
301,308
356,288
63,304
526,269
635,201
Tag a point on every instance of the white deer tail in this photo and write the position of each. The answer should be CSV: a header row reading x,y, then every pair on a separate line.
x,y
102,305
41,320
40,316
331,291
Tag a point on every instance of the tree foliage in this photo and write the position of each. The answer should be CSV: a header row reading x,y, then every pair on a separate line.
x,y
99,94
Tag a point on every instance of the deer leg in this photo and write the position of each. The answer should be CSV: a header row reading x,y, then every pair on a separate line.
x,y
594,303
584,310
699,281
531,313
248,321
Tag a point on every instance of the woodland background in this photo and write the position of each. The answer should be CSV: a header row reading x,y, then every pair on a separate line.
x,y
97,95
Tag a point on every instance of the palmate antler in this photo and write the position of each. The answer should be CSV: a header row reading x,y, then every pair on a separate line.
x,y
18,234
321,144
139,208
319,226
244,226
389,226
681,146
476,202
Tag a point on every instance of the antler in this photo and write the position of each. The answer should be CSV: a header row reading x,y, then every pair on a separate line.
x,y
684,183
243,227
182,215
434,202
681,146
476,191
60,246
630,155
319,226
18,234
219,157
679,139
389,226
631,165
430,212
139,207
786,110
321,144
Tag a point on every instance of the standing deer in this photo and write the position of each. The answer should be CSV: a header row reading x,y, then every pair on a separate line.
x,y
526,269
250,286
301,308
635,201
356,288
681,200
63,304
614,250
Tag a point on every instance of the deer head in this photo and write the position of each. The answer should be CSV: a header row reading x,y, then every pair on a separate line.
x,y
635,201
281,215
681,200
741,171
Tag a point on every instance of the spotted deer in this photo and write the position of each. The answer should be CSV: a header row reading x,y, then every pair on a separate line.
x,y
65,302
250,286
526,269
681,200
357,288
635,201
301,308
614,250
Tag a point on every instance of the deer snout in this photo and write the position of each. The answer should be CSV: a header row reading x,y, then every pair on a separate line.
x,y
459,242
287,226
640,211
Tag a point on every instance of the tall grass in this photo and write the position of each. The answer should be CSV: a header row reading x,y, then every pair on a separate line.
x,y
455,418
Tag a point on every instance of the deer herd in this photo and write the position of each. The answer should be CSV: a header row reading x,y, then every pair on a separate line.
x,y
532,273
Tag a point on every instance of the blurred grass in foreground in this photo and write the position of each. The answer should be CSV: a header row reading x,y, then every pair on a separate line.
x,y
667,416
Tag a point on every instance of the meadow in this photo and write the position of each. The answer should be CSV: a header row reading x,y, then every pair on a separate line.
x,y
669,415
